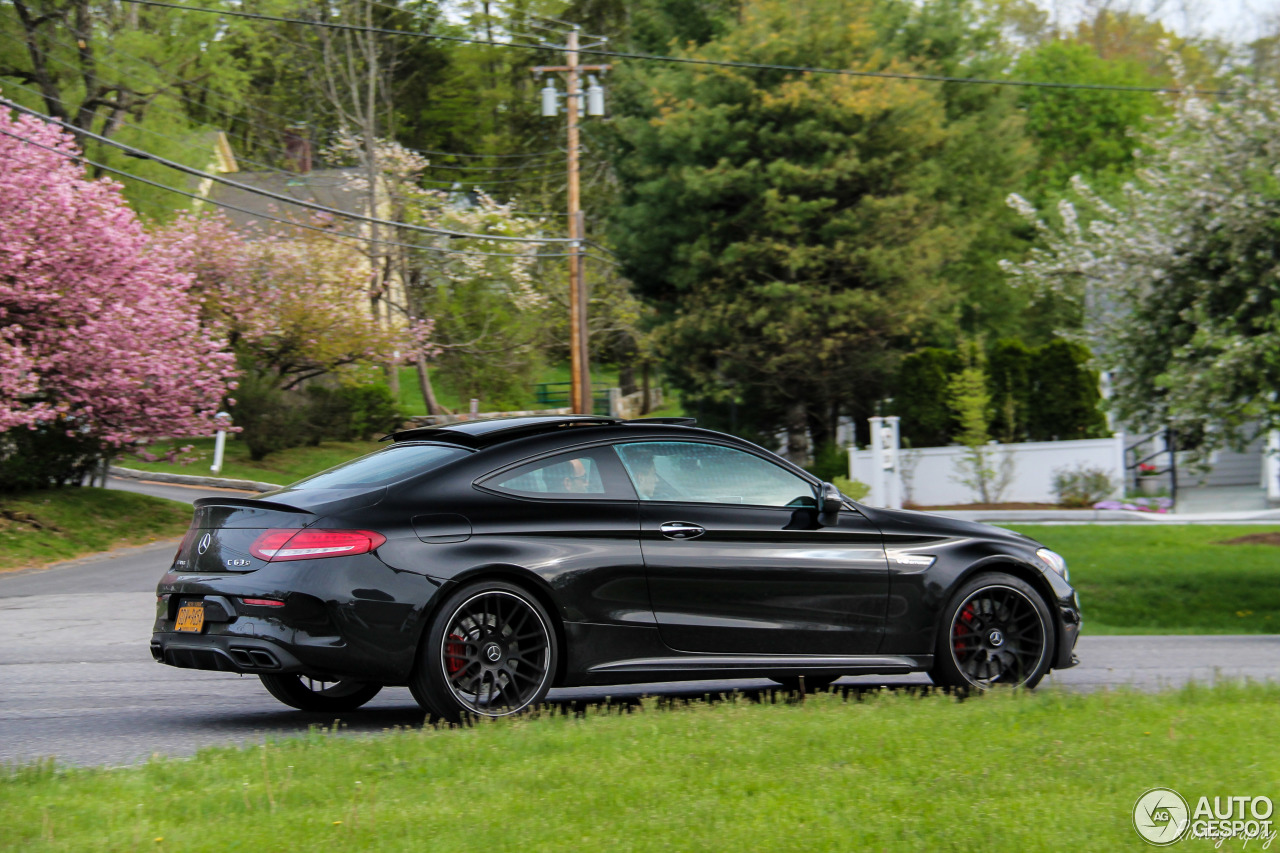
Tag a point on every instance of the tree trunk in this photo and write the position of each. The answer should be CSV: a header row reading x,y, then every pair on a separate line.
x,y
797,434
821,432
393,379
428,393
627,377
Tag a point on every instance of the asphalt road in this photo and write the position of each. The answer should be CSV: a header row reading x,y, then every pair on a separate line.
x,y
77,681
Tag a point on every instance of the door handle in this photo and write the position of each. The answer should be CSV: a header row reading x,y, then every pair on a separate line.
x,y
681,530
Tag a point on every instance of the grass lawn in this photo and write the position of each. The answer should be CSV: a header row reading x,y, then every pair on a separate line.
x,y
282,467
411,395
1045,771
59,524
1169,579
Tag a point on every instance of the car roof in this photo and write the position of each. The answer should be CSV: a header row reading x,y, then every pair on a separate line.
x,y
487,432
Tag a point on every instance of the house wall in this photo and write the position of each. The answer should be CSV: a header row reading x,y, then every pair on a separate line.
x,y
930,475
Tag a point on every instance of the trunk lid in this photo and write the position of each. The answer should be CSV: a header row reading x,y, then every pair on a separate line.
x,y
223,529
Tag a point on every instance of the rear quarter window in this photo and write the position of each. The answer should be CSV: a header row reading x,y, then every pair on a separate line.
x,y
384,467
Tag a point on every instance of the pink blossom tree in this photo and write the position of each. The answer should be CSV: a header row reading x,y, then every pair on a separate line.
x,y
293,305
100,333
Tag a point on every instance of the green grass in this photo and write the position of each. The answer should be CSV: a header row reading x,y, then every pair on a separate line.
x,y
59,524
1169,579
282,467
411,401
1047,771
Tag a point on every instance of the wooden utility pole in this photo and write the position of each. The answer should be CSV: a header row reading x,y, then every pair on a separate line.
x,y
580,398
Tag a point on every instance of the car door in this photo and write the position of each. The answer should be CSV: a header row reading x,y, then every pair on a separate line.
x,y
571,518
738,561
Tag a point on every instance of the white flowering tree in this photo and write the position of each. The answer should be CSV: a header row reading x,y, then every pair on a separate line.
x,y
485,295
1179,279
482,294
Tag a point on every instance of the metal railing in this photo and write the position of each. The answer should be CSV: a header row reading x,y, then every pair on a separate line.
x,y
1166,448
555,395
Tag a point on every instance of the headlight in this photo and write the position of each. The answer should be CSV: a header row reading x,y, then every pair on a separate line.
x,y
1054,561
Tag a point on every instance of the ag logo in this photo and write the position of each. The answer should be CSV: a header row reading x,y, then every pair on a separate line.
x,y
1161,816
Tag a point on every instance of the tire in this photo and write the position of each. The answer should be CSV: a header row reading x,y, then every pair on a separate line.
x,y
995,630
812,683
307,694
490,651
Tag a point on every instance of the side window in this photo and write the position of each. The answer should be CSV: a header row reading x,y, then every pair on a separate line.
x,y
581,475
710,473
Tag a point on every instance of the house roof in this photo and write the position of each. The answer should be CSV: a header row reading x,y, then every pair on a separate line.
x,y
336,188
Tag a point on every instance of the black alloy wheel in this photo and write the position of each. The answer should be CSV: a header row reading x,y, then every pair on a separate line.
x,y
491,651
997,631
311,694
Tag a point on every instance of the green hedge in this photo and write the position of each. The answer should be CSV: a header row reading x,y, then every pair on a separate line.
x,y
1044,393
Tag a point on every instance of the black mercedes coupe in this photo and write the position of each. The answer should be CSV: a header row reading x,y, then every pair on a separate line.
x,y
485,562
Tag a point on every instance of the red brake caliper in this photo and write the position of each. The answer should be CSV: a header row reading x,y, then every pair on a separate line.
x,y
962,627
453,653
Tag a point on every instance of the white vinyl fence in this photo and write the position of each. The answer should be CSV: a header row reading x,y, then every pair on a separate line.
x,y
930,476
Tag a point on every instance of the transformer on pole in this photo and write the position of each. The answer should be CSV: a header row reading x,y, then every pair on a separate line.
x,y
580,399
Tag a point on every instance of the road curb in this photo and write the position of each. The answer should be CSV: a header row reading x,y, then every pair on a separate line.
x,y
1110,516
194,480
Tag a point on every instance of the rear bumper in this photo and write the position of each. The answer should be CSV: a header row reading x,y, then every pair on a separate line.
x,y
352,618
224,654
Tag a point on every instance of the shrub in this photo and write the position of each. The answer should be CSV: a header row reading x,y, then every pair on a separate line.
x,y
352,412
46,456
920,397
829,461
1081,486
270,419
853,489
1066,398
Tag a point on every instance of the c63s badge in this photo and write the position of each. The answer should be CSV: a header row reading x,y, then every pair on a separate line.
x,y
236,564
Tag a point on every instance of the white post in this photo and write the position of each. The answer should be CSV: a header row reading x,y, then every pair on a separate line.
x,y
475,408
1118,463
219,442
876,497
893,471
1271,465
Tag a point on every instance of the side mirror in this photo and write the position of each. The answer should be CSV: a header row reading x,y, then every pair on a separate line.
x,y
829,504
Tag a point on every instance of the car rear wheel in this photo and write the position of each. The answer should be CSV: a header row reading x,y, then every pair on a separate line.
x,y
490,652
996,630
309,694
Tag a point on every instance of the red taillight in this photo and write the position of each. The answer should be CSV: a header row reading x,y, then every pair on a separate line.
x,y
263,602
186,542
277,545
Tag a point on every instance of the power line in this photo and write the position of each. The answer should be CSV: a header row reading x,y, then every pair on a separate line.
x,y
488,183
373,220
718,63
454,168
291,223
491,156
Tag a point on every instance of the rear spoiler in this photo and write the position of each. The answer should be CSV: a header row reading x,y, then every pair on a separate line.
x,y
248,503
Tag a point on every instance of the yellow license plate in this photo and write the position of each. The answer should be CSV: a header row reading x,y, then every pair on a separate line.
x,y
190,618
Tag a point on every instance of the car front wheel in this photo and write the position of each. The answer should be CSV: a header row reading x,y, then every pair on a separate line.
x,y
308,694
490,651
996,630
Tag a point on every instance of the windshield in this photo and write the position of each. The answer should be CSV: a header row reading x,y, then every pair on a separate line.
x,y
383,467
